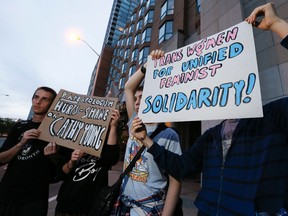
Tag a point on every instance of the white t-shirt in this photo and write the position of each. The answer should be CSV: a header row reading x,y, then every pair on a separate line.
x,y
227,132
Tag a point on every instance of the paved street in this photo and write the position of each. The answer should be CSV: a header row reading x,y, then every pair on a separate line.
x,y
189,190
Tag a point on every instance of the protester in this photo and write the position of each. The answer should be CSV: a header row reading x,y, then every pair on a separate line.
x,y
146,191
24,188
244,163
85,175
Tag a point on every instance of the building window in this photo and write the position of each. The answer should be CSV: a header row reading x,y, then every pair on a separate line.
x,y
114,73
132,70
117,77
121,52
165,31
141,11
149,17
135,54
131,28
119,64
124,67
137,39
124,42
111,72
127,53
143,54
167,8
122,83
129,41
133,17
198,6
150,3
139,24
146,35
116,63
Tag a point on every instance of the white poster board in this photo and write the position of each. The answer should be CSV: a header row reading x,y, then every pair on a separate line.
x,y
214,78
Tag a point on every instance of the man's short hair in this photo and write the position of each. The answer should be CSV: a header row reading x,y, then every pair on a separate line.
x,y
140,88
45,88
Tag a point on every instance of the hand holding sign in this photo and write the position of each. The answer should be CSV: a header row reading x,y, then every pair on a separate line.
x,y
269,21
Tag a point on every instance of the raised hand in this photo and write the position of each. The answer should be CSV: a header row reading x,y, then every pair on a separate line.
x,y
50,149
114,118
76,155
138,129
270,20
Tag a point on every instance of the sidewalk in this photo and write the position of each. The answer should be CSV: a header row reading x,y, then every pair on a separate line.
x,y
190,188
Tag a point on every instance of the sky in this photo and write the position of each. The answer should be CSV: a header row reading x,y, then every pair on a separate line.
x,y
37,48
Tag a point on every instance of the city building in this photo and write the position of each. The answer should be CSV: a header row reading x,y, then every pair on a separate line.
x,y
120,15
171,24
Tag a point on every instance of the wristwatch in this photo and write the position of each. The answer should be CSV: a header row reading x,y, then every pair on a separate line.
x,y
143,69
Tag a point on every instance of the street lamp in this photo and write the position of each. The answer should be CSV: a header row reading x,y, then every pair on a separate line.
x,y
78,38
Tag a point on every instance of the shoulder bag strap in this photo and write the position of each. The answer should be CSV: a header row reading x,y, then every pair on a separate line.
x,y
160,127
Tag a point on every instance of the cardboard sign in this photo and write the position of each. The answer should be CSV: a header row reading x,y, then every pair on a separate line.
x,y
214,78
78,121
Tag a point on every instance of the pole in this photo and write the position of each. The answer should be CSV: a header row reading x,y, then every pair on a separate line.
x,y
88,46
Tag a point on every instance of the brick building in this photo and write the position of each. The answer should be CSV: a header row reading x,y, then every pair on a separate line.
x,y
171,24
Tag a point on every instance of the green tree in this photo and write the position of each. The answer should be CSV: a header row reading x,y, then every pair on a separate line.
x,y
5,125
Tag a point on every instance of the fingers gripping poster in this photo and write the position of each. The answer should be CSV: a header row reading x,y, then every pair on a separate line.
x,y
78,121
214,78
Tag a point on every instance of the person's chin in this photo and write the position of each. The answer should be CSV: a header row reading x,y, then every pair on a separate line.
x,y
36,110
39,112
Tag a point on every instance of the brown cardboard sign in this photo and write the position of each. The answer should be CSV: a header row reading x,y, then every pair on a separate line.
x,y
78,121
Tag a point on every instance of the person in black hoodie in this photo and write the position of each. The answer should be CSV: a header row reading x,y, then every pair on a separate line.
x,y
85,175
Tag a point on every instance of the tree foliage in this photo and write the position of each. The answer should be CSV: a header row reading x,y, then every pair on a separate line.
x,y
6,124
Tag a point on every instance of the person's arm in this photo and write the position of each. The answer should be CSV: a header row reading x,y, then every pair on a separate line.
x,y
112,136
133,83
50,149
110,152
130,89
178,166
271,21
140,133
172,197
75,156
52,152
8,155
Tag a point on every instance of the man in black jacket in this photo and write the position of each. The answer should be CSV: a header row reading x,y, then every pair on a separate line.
x,y
250,178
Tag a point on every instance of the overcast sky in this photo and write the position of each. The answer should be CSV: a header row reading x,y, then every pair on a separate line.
x,y
36,48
